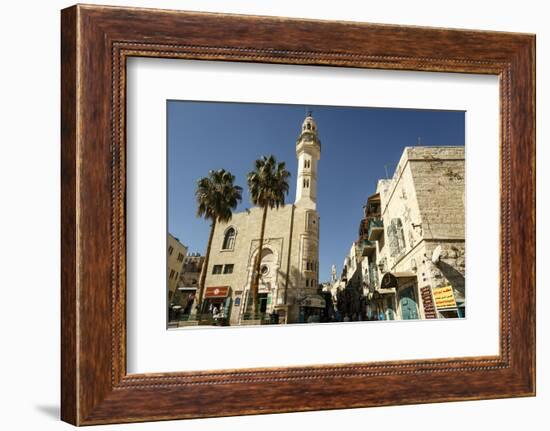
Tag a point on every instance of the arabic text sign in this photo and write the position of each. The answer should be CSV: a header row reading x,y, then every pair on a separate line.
x,y
444,297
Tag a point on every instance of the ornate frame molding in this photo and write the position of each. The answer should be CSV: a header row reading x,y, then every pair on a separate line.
x,y
96,41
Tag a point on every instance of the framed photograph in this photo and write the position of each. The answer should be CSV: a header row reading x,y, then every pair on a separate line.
x,y
267,215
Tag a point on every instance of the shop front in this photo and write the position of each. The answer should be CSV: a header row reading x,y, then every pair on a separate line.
x,y
407,299
187,296
311,309
380,305
447,303
216,306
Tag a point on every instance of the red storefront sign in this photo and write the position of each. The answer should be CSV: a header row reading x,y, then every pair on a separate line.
x,y
216,292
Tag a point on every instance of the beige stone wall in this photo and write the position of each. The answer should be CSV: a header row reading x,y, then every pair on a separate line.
x,y
427,194
175,253
304,248
247,225
190,271
287,260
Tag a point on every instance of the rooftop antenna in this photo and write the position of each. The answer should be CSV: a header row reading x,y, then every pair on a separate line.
x,y
418,141
386,169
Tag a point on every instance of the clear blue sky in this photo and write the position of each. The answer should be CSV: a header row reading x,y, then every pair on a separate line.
x,y
356,144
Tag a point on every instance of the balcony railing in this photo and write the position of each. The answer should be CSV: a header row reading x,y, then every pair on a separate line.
x,y
367,247
375,229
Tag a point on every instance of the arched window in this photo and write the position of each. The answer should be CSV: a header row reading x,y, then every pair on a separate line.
x,y
229,239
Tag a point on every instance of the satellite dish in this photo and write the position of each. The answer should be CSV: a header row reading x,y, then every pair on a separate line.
x,y
436,255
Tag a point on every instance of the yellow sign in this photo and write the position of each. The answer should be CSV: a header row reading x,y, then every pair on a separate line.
x,y
444,297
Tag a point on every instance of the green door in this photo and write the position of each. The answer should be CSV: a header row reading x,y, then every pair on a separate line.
x,y
409,307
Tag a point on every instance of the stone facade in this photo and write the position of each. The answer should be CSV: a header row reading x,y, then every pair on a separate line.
x,y
290,254
175,255
191,270
188,282
422,247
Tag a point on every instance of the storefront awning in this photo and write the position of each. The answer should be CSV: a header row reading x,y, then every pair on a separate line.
x,y
216,292
395,279
187,288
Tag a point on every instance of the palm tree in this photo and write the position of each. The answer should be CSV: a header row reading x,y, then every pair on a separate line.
x,y
267,185
217,196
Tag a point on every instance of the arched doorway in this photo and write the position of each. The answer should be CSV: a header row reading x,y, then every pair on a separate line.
x,y
408,304
269,267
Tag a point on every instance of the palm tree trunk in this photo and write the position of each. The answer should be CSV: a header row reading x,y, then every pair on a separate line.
x,y
258,262
204,269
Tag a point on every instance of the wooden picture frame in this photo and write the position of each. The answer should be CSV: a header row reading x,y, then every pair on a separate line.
x,y
95,43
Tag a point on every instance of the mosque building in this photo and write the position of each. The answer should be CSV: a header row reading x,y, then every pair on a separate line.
x,y
289,257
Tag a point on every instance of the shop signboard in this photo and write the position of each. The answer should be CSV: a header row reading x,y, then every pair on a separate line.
x,y
216,292
428,302
444,297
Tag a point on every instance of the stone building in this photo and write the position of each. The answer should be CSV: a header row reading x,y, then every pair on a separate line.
x,y
413,237
175,254
188,282
289,257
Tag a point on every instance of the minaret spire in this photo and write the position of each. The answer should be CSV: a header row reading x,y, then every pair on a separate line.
x,y
308,153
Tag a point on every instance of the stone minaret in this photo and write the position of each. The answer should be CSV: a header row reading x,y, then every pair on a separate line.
x,y
308,152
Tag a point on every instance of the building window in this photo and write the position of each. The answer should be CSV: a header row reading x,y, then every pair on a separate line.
x,y
172,274
217,269
229,239
170,250
396,237
400,234
180,257
228,268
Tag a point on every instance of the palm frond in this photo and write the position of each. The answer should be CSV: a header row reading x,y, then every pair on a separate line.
x,y
217,195
268,183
